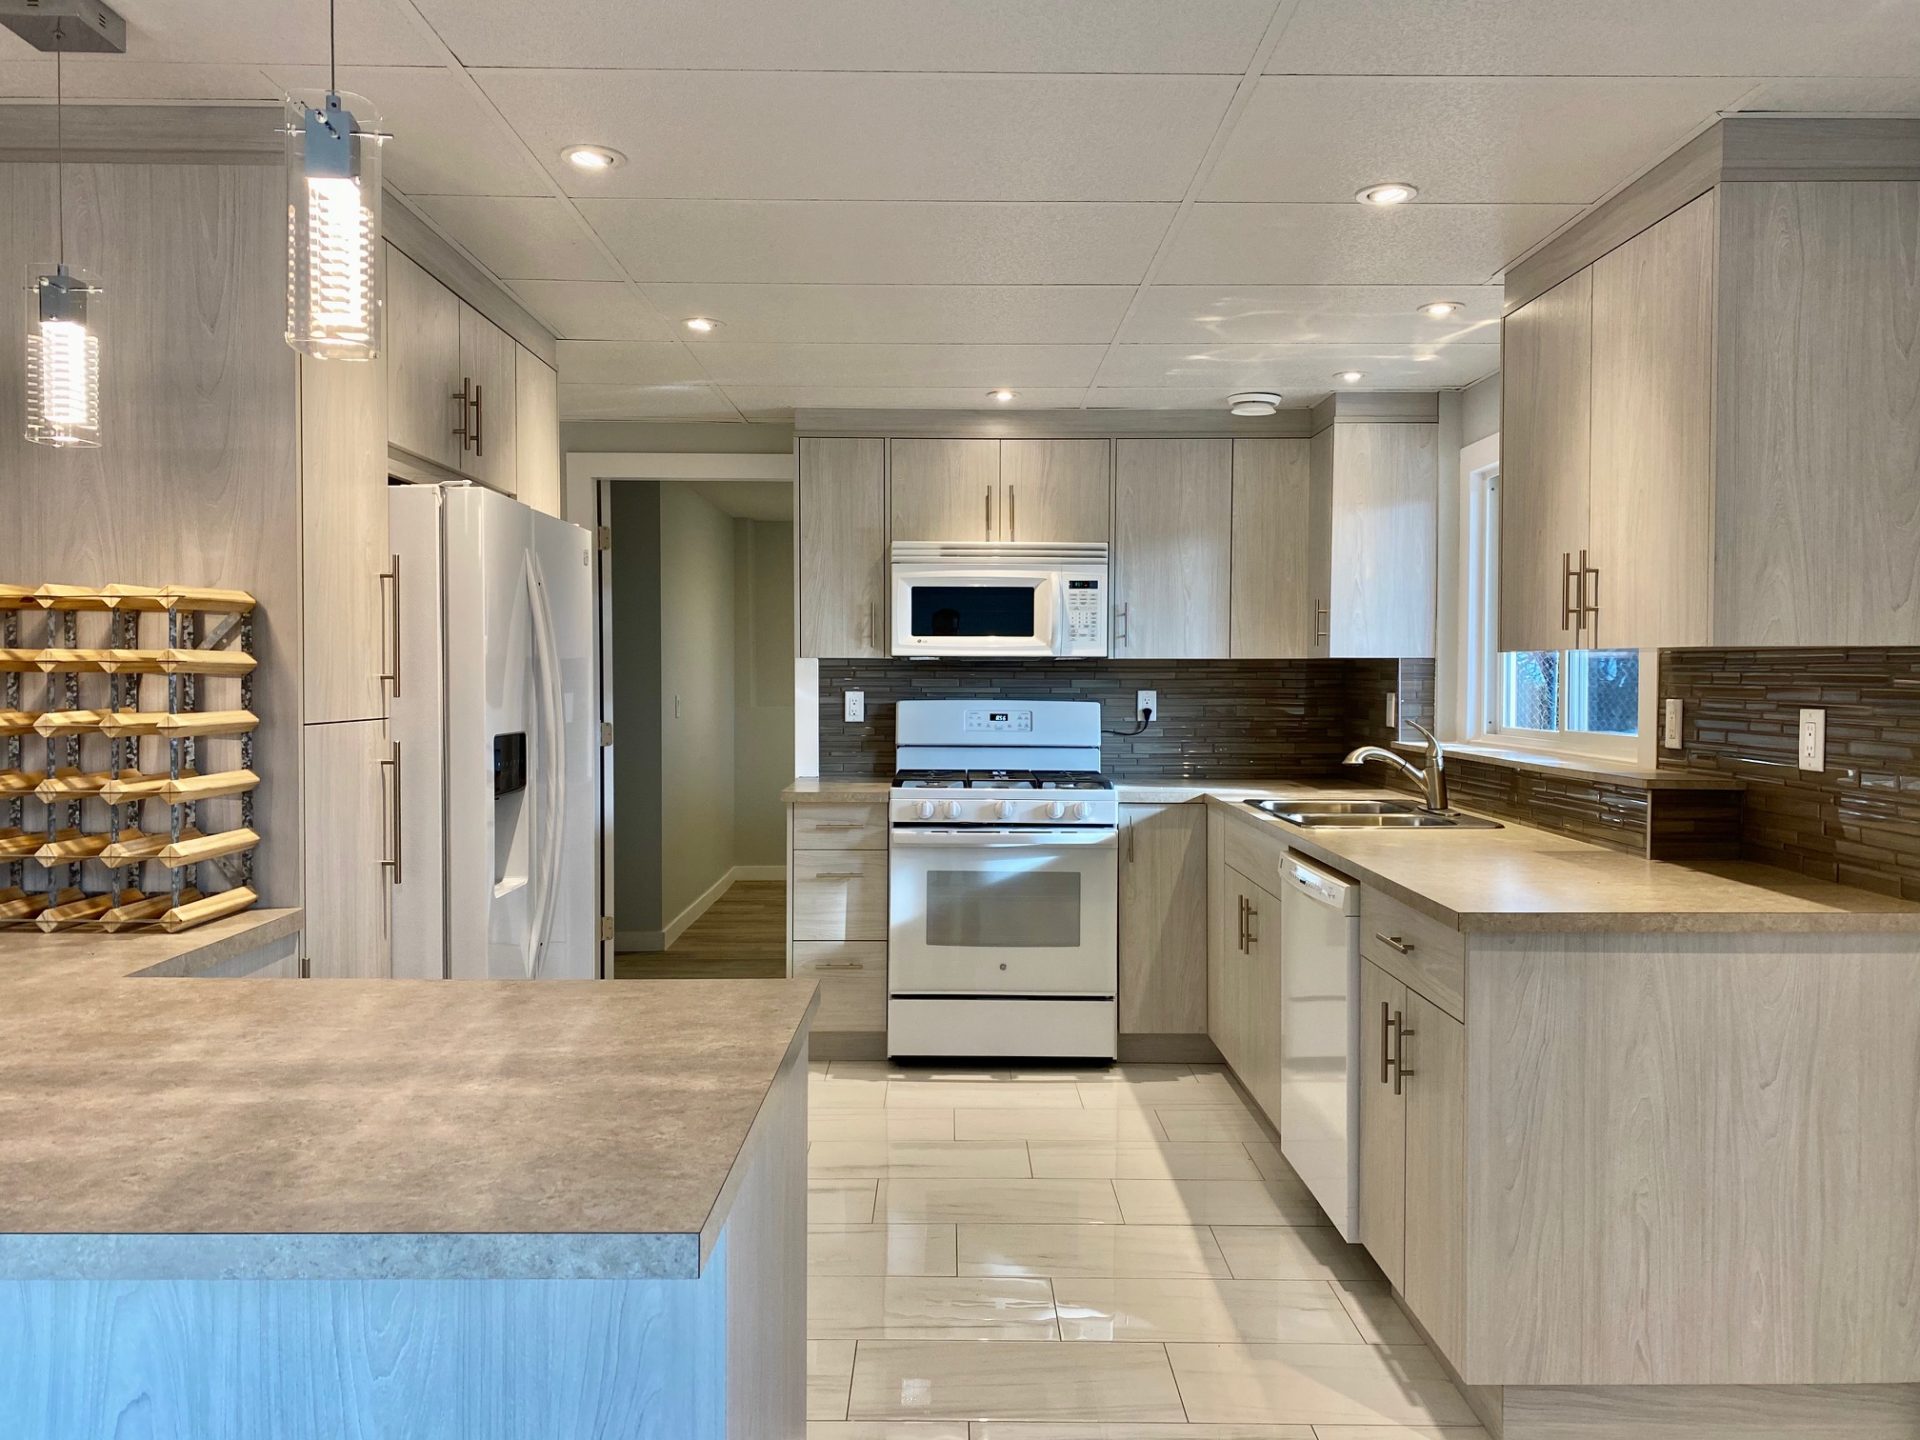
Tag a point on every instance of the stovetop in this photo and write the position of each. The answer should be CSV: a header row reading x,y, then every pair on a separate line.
x,y
1000,780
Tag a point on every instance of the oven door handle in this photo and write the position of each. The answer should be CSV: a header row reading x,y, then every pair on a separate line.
x,y
1091,839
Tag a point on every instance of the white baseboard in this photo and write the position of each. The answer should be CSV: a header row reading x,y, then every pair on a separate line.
x,y
652,941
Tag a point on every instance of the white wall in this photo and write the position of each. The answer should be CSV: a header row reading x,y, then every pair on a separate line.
x,y
1466,416
763,688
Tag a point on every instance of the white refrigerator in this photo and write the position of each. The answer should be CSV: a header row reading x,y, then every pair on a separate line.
x,y
494,729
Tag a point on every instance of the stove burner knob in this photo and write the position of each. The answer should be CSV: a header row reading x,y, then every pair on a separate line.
x,y
1082,810
1057,811
953,809
926,809
1006,809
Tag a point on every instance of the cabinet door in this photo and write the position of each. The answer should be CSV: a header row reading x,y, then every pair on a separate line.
x,y
348,832
536,403
1163,919
1436,1166
1651,584
343,538
1223,930
1386,538
1545,449
1059,490
1320,537
944,489
1383,1126
841,511
487,363
1172,548
1272,611
423,362
1260,1047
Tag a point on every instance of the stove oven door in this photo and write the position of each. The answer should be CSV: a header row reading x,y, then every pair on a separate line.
x,y
1003,912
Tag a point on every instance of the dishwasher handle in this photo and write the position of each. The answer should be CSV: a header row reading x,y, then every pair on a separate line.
x,y
1310,881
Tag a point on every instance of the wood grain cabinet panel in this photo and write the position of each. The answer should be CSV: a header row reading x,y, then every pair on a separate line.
x,y
1413,947
1273,598
840,827
1383,1126
1385,546
344,540
349,824
853,982
536,402
1163,919
944,489
487,362
1435,1278
1056,490
1261,994
841,525
839,895
1173,549
423,362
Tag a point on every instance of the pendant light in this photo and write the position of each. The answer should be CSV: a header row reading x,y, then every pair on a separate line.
x,y
63,320
333,222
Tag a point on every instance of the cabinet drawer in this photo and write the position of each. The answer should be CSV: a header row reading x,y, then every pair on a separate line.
x,y
1254,854
839,895
1416,949
839,827
853,982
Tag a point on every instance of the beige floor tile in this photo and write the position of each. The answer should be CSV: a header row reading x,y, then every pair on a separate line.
x,y
1271,1163
887,1430
1089,1250
1212,1091
1211,1122
888,1070
1394,1432
1081,1127
1038,1201
978,1307
911,1379
981,1094
879,1124
841,1202
850,1159
1068,1430
1381,1320
1314,1385
1168,1160
881,1250
1292,1252
1300,1312
829,1374
1216,1202
825,1094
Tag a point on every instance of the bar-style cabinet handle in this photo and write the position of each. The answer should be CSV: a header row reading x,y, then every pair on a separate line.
x,y
1126,624
1242,941
1322,622
1386,1043
1400,1034
463,428
1394,942
391,576
393,864
837,875
841,965
1569,611
479,420
1013,517
989,512
1253,935
1589,599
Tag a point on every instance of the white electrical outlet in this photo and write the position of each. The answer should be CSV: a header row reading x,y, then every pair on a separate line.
x,y
1670,735
1393,709
854,706
1145,702
1813,740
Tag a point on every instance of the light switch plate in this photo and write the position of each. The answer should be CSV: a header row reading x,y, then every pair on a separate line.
x,y
1670,735
1813,740
854,706
1145,701
1393,709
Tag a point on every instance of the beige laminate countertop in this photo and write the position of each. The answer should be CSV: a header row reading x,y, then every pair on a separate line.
x,y
1519,879
280,1129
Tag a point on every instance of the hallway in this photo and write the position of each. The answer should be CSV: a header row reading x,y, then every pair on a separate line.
x,y
743,936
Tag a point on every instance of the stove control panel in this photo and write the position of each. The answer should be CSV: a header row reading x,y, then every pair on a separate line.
x,y
998,720
986,808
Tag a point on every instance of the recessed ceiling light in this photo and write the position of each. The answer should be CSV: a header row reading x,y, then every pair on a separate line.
x,y
701,324
1003,396
1352,377
1442,309
1253,402
592,158
1389,192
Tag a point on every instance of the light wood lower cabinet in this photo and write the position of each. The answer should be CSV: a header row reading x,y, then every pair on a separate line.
x,y
348,833
1244,985
839,895
853,982
1163,919
1383,1126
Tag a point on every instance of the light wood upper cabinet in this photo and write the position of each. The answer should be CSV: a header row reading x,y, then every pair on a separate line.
x,y
343,538
349,831
1163,919
423,362
944,489
1651,516
1546,390
1055,490
1172,549
1273,598
1383,1126
487,367
536,399
1320,539
1384,556
841,524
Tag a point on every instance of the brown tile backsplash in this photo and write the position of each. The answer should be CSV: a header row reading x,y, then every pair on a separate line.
x,y
1857,822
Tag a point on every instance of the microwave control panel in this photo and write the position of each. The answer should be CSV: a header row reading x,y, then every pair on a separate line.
x,y
1084,610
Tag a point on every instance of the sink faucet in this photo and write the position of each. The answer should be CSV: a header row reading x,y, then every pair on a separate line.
x,y
1432,779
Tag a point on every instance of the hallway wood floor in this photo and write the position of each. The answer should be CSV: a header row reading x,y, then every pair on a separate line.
x,y
742,937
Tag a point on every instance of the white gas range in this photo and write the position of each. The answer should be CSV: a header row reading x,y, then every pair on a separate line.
x,y
1004,882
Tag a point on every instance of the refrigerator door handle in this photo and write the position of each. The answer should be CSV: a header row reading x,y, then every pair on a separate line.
x,y
546,646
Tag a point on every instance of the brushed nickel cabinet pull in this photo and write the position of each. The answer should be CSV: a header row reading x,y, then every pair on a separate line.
x,y
391,637
1386,1043
838,875
1589,599
1126,625
1132,825
1322,622
839,824
1568,611
1400,1033
393,864
479,420
463,429
1013,517
1394,942
841,965
989,512
1243,925
1253,934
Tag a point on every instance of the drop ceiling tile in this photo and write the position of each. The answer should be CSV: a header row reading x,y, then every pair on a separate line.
x,y
1290,368
1156,398
1462,141
1120,36
1600,37
628,362
982,367
519,238
778,402
592,310
264,32
902,314
765,136
881,242
1418,244
1309,314
117,77
644,402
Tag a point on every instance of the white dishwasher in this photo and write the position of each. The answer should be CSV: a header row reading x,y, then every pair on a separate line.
x,y
1320,1035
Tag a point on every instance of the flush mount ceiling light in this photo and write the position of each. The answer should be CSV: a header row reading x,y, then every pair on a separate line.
x,y
1387,192
1003,396
1253,402
1442,309
592,158
333,221
701,324
1351,377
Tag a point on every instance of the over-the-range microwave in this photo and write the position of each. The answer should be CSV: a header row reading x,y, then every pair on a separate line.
x,y
999,599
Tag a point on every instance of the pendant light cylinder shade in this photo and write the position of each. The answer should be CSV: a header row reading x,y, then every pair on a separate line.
x,y
334,307
63,312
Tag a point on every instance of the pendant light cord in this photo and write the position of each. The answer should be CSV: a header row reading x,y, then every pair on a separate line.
x,y
60,144
333,58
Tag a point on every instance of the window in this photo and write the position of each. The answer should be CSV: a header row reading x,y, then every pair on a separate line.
x,y
1585,702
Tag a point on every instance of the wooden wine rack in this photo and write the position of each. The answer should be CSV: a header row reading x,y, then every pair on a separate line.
x,y
82,863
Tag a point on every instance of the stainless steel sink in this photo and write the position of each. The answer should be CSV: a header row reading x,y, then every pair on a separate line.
x,y
1367,815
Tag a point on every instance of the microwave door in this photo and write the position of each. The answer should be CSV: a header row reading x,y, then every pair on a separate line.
x,y
973,613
